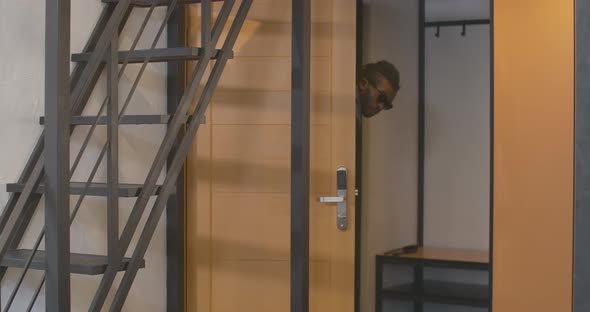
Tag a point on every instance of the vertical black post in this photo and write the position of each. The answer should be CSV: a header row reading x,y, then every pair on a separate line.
x,y
113,151
300,107
421,120
206,25
419,270
419,285
176,205
492,140
57,152
358,166
582,159
379,284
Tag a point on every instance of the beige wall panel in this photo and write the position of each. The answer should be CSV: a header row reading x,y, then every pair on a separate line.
x,y
257,227
271,176
273,39
270,291
279,11
271,74
534,110
198,194
265,108
343,147
272,142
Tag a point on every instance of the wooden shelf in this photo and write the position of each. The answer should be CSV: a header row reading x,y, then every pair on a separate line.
x,y
442,257
444,254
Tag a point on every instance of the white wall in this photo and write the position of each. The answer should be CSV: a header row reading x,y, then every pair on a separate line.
x,y
457,142
449,10
22,34
390,159
390,145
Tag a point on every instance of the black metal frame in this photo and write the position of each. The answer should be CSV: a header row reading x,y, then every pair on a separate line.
x,y
57,160
581,274
421,119
102,49
176,205
492,153
422,109
183,148
300,127
457,23
421,134
422,104
17,214
31,171
418,292
60,107
112,66
419,269
358,166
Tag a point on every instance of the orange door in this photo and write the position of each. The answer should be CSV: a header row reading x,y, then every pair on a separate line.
x,y
238,221
534,124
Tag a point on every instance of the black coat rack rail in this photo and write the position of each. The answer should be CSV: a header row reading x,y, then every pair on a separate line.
x,y
463,23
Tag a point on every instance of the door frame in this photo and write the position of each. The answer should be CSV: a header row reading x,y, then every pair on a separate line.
x,y
300,149
492,153
358,165
300,173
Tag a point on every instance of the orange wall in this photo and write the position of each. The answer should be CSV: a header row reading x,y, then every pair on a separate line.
x,y
534,110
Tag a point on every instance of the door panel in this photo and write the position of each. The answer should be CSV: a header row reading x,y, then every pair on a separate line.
x,y
238,187
271,74
234,291
533,196
272,217
263,108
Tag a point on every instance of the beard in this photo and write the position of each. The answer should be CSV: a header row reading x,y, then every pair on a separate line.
x,y
364,102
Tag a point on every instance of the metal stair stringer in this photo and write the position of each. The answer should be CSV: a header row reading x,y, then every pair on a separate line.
x,y
181,153
20,208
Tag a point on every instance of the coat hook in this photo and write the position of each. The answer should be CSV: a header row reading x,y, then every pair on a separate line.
x,y
464,32
437,34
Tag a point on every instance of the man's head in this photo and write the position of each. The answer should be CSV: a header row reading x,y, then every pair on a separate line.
x,y
377,86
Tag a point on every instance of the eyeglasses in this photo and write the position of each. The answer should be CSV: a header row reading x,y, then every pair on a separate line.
x,y
382,98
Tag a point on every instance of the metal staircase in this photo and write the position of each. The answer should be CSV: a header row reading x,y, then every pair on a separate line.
x,y
42,172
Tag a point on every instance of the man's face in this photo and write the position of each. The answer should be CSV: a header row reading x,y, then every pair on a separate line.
x,y
375,96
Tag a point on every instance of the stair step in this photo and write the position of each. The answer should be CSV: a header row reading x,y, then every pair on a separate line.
x,y
95,189
79,263
147,3
158,55
126,120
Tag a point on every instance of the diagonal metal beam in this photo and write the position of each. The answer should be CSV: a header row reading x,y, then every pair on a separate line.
x,y
162,155
178,161
99,52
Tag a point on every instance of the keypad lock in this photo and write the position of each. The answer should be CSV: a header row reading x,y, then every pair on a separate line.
x,y
339,199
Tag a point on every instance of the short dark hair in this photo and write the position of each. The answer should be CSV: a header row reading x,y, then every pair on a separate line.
x,y
388,70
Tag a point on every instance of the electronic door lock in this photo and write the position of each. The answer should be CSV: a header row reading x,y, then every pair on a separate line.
x,y
340,199
327,200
